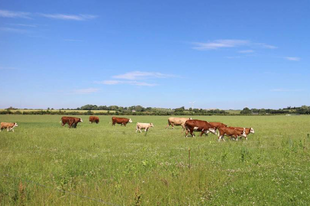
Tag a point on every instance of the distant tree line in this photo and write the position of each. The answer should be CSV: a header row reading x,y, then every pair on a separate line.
x,y
140,110
288,110
90,109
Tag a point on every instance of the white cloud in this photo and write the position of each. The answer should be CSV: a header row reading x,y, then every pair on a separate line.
x,y
267,46
8,29
222,43
80,17
86,91
292,58
135,77
286,90
137,83
246,51
140,75
230,43
14,14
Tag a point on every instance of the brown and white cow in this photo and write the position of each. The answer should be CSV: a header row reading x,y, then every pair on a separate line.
x,y
247,131
71,121
177,121
8,126
216,126
120,120
230,132
198,125
93,119
145,126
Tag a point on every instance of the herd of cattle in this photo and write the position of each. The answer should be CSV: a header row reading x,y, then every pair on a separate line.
x,y
188,124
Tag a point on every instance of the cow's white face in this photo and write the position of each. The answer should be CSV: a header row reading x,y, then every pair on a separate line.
x,y
252,130
81,120
151,124
190,118
130,120
15,125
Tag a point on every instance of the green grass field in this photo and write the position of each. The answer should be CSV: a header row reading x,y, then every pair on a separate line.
x,y
42,163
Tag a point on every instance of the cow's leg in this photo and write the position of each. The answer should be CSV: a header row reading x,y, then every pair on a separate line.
x,y
7,129
192,133
220,137
186,132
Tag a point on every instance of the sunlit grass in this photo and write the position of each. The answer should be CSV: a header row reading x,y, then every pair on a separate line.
x,y
42,163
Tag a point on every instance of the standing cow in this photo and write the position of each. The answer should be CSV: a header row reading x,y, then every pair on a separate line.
x,y
93,119
247,131
198,125
230,132
144,126
71,121
120,120
8,126
177,121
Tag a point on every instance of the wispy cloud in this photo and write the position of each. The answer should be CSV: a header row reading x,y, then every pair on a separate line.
x,y
286,90
137,83
86,91
230,43
292,58
80,17
141,75
137,78
8,29
267,46
14,14
222,43
246,51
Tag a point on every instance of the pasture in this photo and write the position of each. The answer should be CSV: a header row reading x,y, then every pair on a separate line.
x,y
42,163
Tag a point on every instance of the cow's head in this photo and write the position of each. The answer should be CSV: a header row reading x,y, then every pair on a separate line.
x,y
190,118
81,120
151,124
251,130
15,124
130,121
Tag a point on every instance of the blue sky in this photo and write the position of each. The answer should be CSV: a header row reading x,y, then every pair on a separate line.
x,y
205,54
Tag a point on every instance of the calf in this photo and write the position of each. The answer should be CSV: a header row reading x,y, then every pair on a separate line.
x,y
8,126
93,119
231,132
198,125
247,131
144,126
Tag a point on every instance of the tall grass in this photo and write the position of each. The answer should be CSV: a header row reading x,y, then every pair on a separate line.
x,y
42,163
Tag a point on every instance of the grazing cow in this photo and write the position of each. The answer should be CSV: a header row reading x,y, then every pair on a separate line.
x,y
71,121
8,126
198,125
216,126
144,126
93,119
177,121
247,131
120,120
231,132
